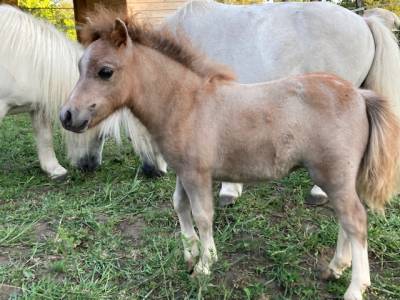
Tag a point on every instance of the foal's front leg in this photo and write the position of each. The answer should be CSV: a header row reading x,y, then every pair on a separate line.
x,y
189,236
342,258
198,188
44,140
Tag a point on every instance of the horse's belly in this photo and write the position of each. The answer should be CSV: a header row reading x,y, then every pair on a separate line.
x,y
14,95
8,84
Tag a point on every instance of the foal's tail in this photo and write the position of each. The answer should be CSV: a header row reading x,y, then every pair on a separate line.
x,y
378,175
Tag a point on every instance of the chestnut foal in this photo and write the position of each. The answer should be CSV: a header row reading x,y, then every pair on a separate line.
x,y
347,138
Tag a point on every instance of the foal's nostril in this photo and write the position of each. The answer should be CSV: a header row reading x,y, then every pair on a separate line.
x,y
68,117
84,123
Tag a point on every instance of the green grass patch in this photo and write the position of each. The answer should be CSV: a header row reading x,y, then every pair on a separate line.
x,y
113,234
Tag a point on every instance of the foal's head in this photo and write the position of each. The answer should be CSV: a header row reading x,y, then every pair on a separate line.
x,y
104,82
112,63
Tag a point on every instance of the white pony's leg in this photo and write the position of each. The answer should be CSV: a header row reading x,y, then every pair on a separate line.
x,y
317,197
160,162
44,141
342,258
3,110
200,195
189,236
316,191
229,192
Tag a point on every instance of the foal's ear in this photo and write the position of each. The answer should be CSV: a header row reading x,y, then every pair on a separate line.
x,y
120,35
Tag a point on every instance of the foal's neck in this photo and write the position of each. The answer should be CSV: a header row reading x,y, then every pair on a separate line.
x,y
162,88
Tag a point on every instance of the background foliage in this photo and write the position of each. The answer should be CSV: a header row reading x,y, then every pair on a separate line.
x,y
393,5
60,13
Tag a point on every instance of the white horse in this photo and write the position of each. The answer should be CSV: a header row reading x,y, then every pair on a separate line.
x,y
389,18
38,69
273,40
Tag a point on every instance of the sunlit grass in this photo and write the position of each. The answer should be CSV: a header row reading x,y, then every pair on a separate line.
x,y
114,235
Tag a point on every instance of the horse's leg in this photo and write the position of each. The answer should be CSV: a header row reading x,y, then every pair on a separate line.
x,y
353,220
3,110
229,192
342,258
199,190
44,141
189,236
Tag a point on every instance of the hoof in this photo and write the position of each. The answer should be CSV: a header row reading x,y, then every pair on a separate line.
x,y
326,274
191,258
352,294
59,178
59,174
316,200
226,201
190,266
150,171
89,163
201,270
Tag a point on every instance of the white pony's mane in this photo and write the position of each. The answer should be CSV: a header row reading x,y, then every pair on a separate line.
x,y
50,58
44,63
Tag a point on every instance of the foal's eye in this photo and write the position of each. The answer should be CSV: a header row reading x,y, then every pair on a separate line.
x,y
105,73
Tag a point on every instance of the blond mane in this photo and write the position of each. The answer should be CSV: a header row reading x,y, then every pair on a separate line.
x,y
101,24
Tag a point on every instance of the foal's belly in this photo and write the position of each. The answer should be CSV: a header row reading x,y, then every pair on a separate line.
x,y
254,168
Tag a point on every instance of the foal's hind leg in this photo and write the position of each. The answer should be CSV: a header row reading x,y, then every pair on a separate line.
x,y
44,141
189,236
353,221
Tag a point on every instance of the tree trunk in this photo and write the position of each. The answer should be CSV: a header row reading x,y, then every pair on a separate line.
x,y
359,3
11,2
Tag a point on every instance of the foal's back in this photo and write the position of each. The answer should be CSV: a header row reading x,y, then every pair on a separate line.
x,y
267,129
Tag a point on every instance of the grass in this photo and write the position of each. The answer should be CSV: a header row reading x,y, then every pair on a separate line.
x,y
114,235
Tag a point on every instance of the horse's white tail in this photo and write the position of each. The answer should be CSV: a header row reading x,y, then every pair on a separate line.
x,y
137,133
378,177
384,75
396,21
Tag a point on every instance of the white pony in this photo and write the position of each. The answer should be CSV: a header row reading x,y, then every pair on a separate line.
x,y
38,69
273,40
389,18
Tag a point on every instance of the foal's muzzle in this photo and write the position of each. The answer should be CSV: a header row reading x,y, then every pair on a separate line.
x,y
74,120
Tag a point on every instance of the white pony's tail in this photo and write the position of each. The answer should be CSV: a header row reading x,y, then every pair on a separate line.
x,y
384,75
396,21
139,136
